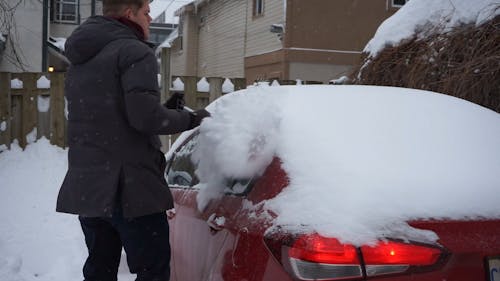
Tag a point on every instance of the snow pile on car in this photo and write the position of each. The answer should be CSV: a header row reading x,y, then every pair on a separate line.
x,y
362,160
237,143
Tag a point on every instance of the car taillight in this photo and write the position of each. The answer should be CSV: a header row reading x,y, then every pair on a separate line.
x,y
394,257
314,257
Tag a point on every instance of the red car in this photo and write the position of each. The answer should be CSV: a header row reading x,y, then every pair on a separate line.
x,y
232,236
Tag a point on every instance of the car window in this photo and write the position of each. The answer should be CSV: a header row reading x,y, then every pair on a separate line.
x,y
181,171
238,186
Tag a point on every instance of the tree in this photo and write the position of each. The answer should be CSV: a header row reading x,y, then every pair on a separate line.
x,y
9,31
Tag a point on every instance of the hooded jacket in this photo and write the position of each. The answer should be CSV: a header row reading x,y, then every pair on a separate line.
x,y
114,117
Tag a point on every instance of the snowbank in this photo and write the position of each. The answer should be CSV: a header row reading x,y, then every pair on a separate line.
x,y
416,15
38,244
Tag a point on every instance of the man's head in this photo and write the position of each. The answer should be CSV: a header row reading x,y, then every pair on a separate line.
x,y
134,10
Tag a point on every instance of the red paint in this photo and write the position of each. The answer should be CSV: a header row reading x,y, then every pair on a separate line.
x,y
239,252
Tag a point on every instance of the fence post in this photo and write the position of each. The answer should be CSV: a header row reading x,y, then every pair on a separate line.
x,y
57,118
43,117
5,112
239,83
165,87
165,74
190,91
29,107
215,89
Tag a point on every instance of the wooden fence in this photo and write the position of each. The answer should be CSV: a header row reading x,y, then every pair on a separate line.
x,y
20,114
23,115
195,98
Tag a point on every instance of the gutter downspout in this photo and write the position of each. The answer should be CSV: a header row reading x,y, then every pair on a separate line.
x,y
45,20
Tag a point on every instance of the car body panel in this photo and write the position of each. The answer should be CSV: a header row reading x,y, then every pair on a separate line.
x,y
238,249
194,243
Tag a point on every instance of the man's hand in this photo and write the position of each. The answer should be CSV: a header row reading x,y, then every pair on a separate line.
x,y
170,213
197,116
176,101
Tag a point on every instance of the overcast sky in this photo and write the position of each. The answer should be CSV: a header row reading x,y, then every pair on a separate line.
x,y
158,6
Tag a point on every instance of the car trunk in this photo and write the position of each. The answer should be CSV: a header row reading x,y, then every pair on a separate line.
x,y
473,249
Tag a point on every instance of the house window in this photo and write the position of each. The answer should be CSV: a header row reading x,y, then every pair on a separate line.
x,y
398,3
258,7
65,11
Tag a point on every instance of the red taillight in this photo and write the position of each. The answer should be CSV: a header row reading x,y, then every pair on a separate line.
x,y
314,257
396,257
315,248
400,253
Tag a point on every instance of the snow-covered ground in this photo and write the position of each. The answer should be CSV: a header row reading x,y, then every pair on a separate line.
x,y
38,244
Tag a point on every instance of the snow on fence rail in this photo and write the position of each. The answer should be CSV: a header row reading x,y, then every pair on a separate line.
x,y
200,91
32,105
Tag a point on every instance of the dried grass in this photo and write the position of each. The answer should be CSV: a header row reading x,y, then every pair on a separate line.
x,y
464,62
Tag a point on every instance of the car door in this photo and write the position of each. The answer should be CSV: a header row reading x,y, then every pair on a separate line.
x,y
194,240
244,255
241,257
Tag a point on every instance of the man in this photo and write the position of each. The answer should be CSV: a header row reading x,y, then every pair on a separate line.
x,y
115,179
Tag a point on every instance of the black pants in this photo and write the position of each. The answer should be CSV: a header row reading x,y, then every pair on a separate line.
x,y
145,240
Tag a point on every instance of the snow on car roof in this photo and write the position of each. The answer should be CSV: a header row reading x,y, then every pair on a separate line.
x,y
362,160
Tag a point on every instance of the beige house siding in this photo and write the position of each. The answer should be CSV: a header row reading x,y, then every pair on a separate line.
x,y
319,65
317,72
221,39
271,65
259,39
177,67
184,55
344,25
321,40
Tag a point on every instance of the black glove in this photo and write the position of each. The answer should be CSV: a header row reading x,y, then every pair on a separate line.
x,y
176,101
196,117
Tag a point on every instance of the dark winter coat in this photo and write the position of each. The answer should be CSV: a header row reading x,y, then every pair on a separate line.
x,y
114,118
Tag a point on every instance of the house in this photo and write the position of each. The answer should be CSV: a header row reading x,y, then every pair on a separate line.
x,y
315,40
163,23
32,38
